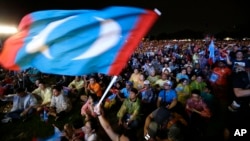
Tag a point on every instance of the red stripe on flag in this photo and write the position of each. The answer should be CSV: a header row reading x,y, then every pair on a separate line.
x,y
143,25
13,44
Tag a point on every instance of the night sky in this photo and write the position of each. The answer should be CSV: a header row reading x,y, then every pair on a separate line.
x,y
197,15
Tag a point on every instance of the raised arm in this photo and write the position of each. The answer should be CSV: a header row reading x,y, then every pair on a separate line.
x,y
106,125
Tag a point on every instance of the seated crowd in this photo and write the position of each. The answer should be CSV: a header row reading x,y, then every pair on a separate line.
x,y
170,89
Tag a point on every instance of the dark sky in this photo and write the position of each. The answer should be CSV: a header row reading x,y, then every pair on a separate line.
x,y
198,15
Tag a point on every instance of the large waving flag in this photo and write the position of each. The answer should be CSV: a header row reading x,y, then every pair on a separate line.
x,y
77,42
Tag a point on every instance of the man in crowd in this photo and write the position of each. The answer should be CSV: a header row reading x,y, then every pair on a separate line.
x,y
23,105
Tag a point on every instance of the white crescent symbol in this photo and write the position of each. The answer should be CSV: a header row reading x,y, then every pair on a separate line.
x,y
37,44
108,37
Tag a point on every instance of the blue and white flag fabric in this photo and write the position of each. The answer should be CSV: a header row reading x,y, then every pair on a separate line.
x,y
211,52
77,42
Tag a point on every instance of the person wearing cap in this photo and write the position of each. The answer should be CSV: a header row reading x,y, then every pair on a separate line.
x,y
23,105
167,97
128,114
147,97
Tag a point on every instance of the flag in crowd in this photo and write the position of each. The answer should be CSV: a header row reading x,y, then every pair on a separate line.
x,y
77,42
211,53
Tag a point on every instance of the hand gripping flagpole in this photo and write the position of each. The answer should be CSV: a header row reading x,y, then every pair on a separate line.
x,y
106,91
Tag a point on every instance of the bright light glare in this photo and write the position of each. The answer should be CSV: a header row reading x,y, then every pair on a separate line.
x,y
7,29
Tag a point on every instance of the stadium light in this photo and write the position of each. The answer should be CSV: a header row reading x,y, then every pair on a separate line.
x,y
7,30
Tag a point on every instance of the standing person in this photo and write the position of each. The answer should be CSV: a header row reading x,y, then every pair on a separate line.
x,y
128,114
23,105
239,111
219,80
239,60
60,104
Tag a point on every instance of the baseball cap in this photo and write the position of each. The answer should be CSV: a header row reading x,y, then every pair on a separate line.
x,y
146,82
168,83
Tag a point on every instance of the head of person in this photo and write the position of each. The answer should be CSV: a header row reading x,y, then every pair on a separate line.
x,y
56,90
183,71
195,94
221,64
152,73
77,78
41,85
20,92
146,84
239,54
37,82
93,98
118,85
199,78
183,81
167,85
92,80
133,94
208,89
90,126
136,70
164,76
189,68
68,129
141,77
129,84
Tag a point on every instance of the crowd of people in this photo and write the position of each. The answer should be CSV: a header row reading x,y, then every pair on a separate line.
x,y
172,90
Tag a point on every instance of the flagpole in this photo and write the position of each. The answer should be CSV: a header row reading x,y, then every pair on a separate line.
x,y
106,91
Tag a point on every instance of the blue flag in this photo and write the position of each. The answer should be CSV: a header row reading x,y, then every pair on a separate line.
x,y
211,52
77,42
